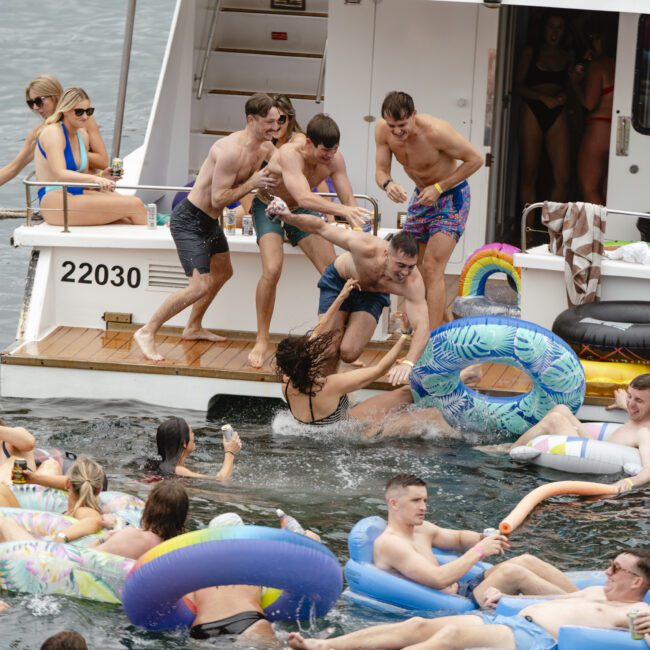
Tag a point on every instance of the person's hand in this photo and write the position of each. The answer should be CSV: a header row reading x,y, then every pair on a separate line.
x,y
624,485
233,445
561,99
350,285
312,535
550,102
357,217
277,209
396,193
620,400
109,521
105,184
399,373
428,196
264,180
642,624
495,544
3,606
492,597
108,173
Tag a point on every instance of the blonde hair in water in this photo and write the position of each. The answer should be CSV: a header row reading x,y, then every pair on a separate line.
x,y
86,480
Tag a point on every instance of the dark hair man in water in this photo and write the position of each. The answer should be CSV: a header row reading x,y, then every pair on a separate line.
x,y
535,627
381,268
300,165
66,640
231,170
429,149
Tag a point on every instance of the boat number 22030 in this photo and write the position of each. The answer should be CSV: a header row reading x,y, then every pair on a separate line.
x,y
101,274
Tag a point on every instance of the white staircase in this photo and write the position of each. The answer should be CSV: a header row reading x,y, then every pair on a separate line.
x,y
244,58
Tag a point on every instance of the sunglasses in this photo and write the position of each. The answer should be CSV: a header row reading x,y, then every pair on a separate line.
x,y
282,119
614,567
80,111
38,101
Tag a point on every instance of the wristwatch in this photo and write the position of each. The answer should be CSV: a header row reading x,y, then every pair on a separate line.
x,y
386,182
62,537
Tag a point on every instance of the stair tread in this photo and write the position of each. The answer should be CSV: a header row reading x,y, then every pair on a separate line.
x,y
278,12
236,50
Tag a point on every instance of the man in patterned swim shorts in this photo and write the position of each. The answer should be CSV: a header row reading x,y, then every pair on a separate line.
x,y
429,149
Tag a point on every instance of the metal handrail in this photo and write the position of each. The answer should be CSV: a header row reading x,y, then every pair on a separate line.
x,y
208,48
540,204
321,76
161,188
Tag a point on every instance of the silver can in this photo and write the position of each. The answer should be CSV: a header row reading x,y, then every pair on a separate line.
x,y
631,616
152,215
117,167
247,226
488,532
229,221
228,432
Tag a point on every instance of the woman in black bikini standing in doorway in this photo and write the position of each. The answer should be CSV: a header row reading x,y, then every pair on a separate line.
x,y
541,81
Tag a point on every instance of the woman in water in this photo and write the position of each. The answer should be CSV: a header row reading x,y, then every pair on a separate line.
x,y
62,155
317,399
541,81
42,95
84,483
175,442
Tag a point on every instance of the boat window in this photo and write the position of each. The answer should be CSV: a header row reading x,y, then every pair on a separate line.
x,y
641,99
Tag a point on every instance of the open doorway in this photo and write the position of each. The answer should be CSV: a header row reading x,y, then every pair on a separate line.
x,y
558,82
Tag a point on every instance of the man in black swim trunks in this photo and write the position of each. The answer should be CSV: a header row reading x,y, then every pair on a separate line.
x,y
231,170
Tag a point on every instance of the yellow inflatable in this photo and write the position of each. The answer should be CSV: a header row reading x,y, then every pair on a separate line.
x,y
604,377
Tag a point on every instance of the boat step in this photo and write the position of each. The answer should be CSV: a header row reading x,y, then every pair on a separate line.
x,y
276,12
227,91
236,50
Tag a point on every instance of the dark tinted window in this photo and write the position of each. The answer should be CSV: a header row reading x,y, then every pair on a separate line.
x,y
641,99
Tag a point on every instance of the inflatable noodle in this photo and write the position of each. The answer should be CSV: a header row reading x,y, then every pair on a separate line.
x,y
484,262
532,499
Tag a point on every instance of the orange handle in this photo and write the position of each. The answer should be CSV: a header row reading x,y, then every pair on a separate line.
x,y
536,496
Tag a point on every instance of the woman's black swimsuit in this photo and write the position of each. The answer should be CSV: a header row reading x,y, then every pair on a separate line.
x,y
535,76
232,625
340,414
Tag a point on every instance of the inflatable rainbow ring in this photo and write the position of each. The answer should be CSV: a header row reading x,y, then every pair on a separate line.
x,y
306,571
485,261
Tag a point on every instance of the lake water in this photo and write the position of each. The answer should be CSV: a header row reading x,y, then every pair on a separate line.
x,y
329,482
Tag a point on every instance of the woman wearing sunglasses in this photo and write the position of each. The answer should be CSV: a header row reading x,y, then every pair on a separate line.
x,y
42,95
62,155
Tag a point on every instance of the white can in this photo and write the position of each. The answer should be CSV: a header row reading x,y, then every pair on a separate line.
x,y
247,226
152,215
229,221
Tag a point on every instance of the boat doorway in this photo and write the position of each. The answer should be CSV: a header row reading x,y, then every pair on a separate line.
x,y
545,122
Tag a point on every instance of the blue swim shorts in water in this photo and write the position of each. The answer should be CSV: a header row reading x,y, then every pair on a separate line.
x,y
330,285
527,634
264,225
197,237
447,215
467,587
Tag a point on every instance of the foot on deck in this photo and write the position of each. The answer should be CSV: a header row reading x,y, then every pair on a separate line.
x,y
259,352
147,344
202,335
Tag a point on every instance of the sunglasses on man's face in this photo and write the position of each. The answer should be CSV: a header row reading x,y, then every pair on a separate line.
x,y
614,567
282,119
80,111
37,101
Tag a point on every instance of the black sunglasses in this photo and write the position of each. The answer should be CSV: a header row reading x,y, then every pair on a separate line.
x,y
80,111
282,119
38,101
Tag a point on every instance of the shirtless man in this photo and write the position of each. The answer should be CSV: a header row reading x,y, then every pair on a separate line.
x,y
534,627
301,165
404,547
381,267
429,149
230,171
634,433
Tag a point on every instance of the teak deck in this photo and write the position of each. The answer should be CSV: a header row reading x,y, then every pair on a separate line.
x,y
113,349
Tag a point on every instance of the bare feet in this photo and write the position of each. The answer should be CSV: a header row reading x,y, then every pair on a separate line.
x,y
259,352
496,450
297,641
202,335
357,363
147,344
471,374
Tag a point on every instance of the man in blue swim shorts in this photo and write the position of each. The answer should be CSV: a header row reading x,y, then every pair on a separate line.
x,y
535,627
430,151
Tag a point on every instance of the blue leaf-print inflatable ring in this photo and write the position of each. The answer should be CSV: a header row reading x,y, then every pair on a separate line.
x,y
558,377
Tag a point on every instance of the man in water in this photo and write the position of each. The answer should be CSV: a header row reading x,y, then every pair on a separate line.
x,y
634,433
535,627
231,170
300,165
404,547
430,151
381,268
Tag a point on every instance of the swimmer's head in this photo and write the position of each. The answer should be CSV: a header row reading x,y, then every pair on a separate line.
x,y
166,509
399,113
262,116
402,256
638,398
628,575
173,437
85,481
226,519
324,135
406,497
47,90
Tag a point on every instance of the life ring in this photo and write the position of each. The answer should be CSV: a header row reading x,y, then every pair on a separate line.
x,y
372,587
558,377
614,330
605,377
306,571
579,455
41,567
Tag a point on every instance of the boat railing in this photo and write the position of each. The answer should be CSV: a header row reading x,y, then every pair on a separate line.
x,y
208,48
539,205
29,183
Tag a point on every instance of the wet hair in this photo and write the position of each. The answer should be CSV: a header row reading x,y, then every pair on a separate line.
x,y
322,129
258,104
641,382
45,85
404,242
397,105
66,640
642,556
283,103
302,358
404,481
172,437
166,509
70,98
86,481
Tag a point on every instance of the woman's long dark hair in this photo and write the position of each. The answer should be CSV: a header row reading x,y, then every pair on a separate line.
x,y
172,437
301,359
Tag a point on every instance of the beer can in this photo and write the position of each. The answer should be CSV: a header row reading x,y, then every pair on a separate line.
x,y
229,221
18,471
247,226
117,167
488,532
631,617
367,226
152,215
228,432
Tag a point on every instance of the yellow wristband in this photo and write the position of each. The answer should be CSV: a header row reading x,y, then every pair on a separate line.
x,y
437,186
407,337
630,481
407,362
